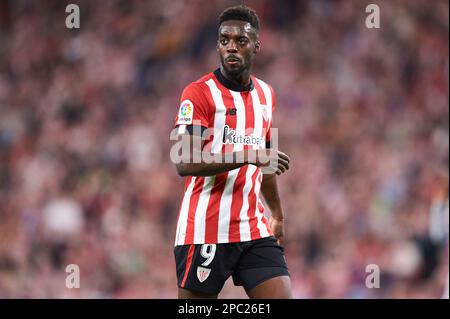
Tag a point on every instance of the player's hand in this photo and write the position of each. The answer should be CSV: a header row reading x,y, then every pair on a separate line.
x,y
277,227
272,161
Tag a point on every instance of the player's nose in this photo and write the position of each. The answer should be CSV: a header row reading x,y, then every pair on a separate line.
x,y
231,48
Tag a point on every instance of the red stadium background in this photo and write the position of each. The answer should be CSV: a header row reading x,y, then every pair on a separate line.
x,y
85,117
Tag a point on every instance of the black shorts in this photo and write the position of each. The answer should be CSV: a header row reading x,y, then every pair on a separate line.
x,y
205,268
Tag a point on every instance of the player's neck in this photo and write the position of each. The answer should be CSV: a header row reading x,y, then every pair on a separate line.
x,y
239,79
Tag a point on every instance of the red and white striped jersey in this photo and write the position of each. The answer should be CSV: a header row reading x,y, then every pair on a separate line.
x,y
225,208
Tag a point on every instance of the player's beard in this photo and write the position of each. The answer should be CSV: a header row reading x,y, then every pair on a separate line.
x,y
235,72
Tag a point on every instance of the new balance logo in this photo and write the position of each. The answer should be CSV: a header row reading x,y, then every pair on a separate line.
x,y
230,137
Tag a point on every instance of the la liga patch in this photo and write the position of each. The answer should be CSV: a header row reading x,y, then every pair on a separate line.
x,y
186,113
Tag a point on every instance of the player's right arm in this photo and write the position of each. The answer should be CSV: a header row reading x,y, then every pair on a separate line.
x,y
193,159
192,120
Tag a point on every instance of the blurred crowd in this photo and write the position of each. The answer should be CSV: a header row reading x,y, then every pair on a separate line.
x,y
85,118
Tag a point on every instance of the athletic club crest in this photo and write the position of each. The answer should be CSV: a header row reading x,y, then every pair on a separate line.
x,y
203,273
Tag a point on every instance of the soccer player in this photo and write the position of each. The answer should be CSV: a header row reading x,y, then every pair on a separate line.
x,y
221,229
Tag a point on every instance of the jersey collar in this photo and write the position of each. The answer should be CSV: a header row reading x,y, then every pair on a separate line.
x,y
230,85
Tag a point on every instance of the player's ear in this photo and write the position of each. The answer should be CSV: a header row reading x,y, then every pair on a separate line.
x,y
217,45
257,46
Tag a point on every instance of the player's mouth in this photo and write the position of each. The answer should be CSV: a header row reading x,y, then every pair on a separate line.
x,y
232,60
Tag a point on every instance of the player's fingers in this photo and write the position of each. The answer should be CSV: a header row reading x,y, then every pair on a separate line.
x,y
281,168
284,156
284,163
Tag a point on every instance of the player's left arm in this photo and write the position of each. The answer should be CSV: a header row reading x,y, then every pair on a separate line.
x,y
269,188
269,191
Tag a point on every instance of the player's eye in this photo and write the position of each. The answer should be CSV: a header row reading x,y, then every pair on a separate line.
x,y
243,41
223,41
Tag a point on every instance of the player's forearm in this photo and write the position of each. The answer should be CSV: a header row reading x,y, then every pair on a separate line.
x,y
269,190
207,169
206,164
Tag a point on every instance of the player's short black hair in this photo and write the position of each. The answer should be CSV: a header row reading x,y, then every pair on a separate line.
x,y
242,13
